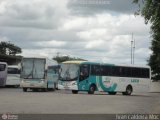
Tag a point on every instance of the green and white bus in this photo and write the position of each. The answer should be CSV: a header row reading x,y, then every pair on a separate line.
x,y
39,73
111,78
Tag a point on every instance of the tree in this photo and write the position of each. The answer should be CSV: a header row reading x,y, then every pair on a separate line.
x,y
7,48
61,59
151,13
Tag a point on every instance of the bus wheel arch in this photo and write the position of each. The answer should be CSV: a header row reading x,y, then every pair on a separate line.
x,y
92,89
112,93
75,91
45,89
129,90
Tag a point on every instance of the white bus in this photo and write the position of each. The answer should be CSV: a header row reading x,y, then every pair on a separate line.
x,y
39,73
110,78
3,73
13,76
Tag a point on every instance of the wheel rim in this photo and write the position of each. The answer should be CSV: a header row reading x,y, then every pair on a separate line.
x,y
92,89
129,90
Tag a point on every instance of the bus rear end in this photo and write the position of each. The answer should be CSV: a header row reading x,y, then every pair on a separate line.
x,y
33,74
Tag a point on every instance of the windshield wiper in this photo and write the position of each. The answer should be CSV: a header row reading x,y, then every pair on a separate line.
x,y
67,74
30,74
66,79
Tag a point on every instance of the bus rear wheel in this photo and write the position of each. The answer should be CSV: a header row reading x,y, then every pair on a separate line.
x,y
92,89
75,91
112,93
24,89
128,90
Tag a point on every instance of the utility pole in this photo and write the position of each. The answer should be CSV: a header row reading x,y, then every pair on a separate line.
x,y
132,49
134,42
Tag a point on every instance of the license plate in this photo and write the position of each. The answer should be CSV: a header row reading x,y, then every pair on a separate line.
x,y
66,87
31,84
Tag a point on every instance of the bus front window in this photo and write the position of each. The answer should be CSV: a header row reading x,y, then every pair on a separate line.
x,y
69,72
84,72
33,69
13,70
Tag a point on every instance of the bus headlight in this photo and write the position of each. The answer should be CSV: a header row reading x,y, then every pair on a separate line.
x,y
75,83
42,81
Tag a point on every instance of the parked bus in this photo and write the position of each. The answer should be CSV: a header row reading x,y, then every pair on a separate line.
x,y
3,73
39,73
111,78
13,76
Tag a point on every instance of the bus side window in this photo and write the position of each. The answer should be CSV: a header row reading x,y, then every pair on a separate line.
x,y
96,70
84,72
2,67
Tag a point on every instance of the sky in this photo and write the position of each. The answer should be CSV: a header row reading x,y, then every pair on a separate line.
x,y
95,30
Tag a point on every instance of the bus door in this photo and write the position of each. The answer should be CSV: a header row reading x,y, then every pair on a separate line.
x,y
84,77
52,76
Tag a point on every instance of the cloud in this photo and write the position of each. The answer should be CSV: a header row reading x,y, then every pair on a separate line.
x,y
96,32
94,44
5,39
91,7
36,14
51,44
109,37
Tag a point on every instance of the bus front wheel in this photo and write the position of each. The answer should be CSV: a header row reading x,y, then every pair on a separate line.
x,y
92,89
75,91
24,89
128,90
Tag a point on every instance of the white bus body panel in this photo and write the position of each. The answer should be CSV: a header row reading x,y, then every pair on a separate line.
x,y
3,75
138,84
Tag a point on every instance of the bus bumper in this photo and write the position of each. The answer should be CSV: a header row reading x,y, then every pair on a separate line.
x,y
72,85
33,85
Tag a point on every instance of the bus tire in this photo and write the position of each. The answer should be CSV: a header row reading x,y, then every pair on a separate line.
x,y
16,86
54,86
24,89
35,90
112,93
92,89
75,91
45,89
51,89
128,90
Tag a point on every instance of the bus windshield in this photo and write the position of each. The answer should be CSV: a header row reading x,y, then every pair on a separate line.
x,y
2,67
13,70
69,72
53,69
33,68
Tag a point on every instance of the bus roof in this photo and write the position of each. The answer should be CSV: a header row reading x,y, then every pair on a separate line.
x,y
35,58
99,63
49,62
3,63
74,62
13,66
